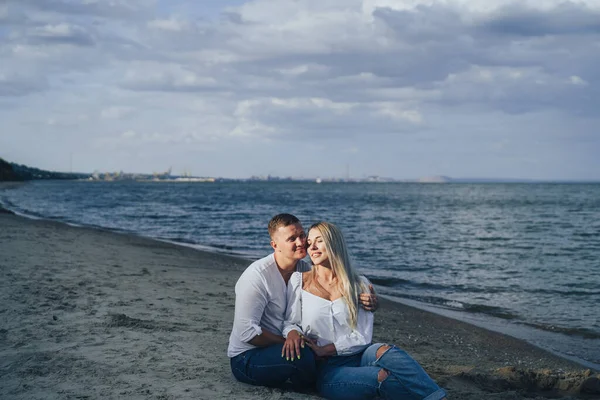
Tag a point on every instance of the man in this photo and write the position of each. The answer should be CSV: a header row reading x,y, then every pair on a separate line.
x,y
256,341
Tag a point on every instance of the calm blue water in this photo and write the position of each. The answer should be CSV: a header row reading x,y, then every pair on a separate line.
x,y
520,258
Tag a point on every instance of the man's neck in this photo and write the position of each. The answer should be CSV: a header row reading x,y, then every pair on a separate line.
x,y
286,266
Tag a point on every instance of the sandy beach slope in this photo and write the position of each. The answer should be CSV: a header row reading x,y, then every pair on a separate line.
x,y
90,314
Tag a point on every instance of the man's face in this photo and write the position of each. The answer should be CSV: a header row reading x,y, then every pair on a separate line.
x,y
290,241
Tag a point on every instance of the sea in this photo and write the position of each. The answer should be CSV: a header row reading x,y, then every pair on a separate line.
x,y
519,258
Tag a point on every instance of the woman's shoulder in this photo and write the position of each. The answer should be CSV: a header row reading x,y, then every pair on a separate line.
x,y
306,279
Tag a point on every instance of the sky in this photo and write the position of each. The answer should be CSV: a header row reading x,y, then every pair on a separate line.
x,y
303,88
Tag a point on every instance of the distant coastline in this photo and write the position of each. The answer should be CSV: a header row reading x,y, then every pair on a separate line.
x,y
10,171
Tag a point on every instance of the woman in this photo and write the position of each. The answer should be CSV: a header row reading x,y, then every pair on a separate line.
x,y
322,313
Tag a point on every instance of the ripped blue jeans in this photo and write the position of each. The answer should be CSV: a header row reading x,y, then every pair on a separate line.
x,y
356,377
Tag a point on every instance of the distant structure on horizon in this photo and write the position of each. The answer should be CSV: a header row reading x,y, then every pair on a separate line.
x,y
157,176
12,171
435,179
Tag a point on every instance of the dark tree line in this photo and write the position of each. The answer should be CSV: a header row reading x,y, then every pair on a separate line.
x,y
17,172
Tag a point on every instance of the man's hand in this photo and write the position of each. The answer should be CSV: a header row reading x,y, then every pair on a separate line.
x,y
368,301
292,345
321,351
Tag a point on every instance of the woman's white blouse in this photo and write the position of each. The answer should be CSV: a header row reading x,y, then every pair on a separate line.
x,y
324,320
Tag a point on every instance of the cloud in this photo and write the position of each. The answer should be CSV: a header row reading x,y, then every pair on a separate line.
x,y
319,117
513,89
110,9
12,16
171,24
133,139
62,33
116,112
19,84
566,18
150,76
261,76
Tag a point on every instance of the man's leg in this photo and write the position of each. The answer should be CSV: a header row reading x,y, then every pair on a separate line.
x,y
264,366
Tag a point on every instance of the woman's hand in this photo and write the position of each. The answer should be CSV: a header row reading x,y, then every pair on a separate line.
x,y
292,345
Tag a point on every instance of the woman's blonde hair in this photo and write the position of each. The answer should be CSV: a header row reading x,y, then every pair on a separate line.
x,y
348,280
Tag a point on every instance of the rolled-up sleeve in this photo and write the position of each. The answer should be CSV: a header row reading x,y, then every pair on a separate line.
x,y
293,312
360,336
250,302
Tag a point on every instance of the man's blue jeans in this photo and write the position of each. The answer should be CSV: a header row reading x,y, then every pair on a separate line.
x,y
355,377
264,366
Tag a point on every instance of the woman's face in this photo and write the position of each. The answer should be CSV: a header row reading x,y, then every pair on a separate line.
x,y
316,247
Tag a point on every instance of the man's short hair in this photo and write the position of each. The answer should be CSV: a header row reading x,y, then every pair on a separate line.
x,y
281,220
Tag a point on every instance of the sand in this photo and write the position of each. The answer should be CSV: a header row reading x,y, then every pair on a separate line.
x,y
91,314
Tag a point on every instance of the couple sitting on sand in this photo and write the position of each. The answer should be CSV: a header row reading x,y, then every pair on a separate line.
x,y
299,325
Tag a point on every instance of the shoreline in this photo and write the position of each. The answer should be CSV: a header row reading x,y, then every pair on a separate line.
x,y
521,332
536,337
199,247
92,313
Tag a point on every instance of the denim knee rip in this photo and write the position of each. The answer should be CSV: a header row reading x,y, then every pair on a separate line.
x,y
380,382
390,346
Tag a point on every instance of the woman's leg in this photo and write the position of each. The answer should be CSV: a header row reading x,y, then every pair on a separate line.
x,y
400,375
343,378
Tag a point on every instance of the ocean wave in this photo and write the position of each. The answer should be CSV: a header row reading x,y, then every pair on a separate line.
x,y
580,332
394,282
498,312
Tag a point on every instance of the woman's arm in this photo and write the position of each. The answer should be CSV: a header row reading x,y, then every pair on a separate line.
x,y
292,329
359,337
362,334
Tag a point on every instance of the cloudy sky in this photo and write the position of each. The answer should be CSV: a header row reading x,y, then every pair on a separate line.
x,y
303,88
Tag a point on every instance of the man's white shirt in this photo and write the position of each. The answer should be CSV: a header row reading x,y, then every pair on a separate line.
x,y
260,302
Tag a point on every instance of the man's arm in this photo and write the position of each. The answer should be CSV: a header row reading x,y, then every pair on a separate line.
x,y
266,338
369,300
250,302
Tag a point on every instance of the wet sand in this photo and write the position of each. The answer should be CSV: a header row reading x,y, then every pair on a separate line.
x,y
92,314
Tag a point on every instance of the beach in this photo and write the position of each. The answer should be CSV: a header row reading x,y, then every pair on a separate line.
x,y
87,313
